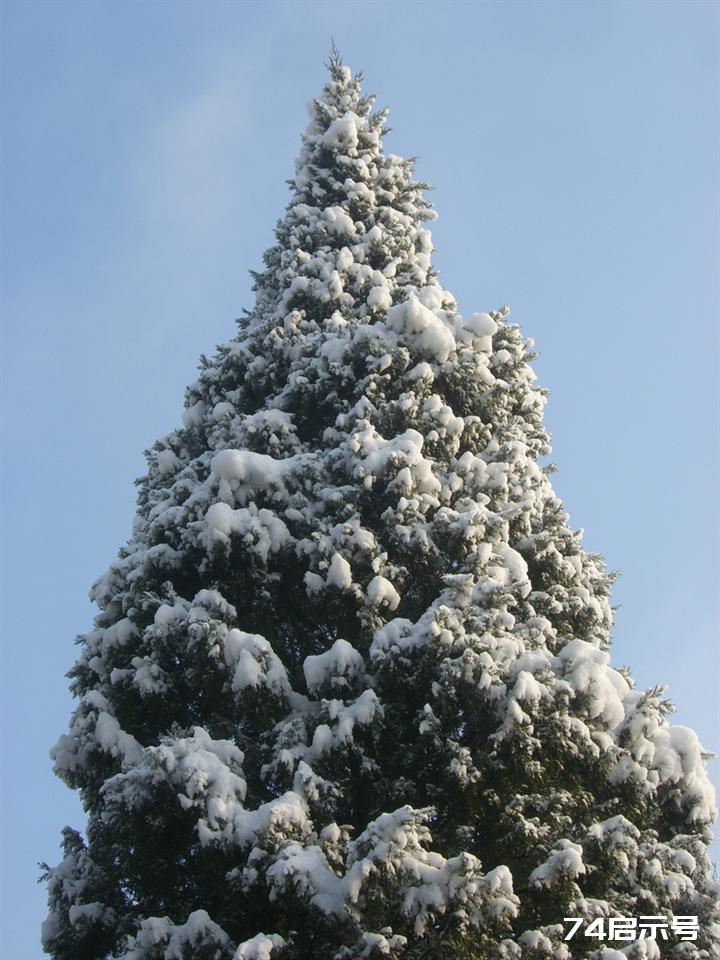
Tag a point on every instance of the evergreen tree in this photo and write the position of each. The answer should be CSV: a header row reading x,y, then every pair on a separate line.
x,y
349,693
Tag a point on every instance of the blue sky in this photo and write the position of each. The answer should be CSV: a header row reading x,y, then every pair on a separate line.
x,y
574,148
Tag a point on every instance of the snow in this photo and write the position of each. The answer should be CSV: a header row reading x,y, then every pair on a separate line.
x,y
205,774
306,871
322,740
242,473
254,663
93,728
314,583
615,832
421,371
564,862
342,132
433,885
344,716
260,947
333,350
373,456
167,461
82,912
482,328
443,419
685,861
339,222
395,635
345,259
149,677
339,573
426,334
193,415
261,530
167,615
284,816
381,593
516,567
598,688
675,756
393,845
177,940
339,666
526,687
116,635
536,940
377,944
380,297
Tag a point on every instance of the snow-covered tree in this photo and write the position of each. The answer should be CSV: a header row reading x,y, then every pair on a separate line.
x,y
349,694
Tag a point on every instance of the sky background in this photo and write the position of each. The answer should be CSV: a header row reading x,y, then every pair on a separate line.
x,y
574,148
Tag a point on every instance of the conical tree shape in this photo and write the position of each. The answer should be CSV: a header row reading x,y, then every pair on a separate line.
x,y
349,693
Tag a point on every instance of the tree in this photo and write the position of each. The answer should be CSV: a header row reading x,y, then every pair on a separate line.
x,y
349,692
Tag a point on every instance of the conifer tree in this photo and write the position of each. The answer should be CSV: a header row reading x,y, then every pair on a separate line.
x,y
349,694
